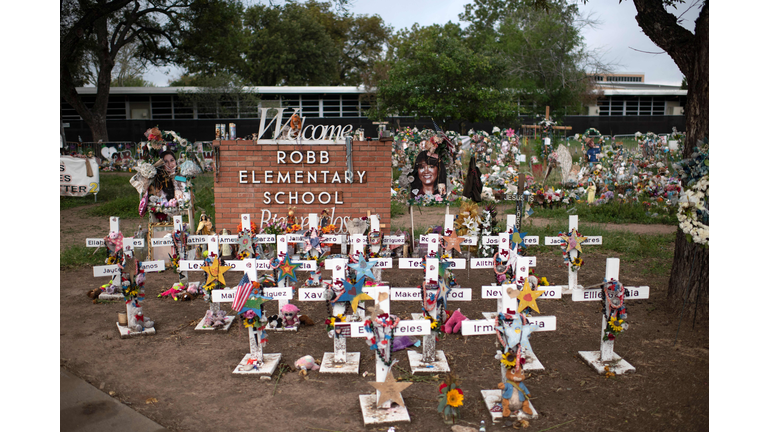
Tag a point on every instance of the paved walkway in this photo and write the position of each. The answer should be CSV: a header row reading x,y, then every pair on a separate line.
x,y
84,408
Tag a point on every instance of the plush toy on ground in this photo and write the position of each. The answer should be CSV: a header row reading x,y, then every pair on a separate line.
x,y
290,315
306,363
515,394
453,324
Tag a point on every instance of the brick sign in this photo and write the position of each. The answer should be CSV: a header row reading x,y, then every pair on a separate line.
x,y
265,179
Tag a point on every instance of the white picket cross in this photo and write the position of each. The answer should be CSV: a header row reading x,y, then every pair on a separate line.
x,y
573,223
606,358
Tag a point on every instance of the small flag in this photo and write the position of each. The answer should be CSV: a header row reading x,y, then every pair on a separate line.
x,y
244,288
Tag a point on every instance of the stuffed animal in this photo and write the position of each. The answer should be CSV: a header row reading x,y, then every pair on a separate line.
x,y
274,321
514,395
453,325
306,363
290,315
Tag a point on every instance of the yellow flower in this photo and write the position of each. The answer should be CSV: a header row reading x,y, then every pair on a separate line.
x,y
454,398
505,360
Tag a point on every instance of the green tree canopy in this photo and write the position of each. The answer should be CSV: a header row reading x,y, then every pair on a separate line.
x,y
433,72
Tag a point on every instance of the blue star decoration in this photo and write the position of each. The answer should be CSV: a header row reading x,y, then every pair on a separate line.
x,y
254,303
516,237
516,332
363,268
287,269
351,290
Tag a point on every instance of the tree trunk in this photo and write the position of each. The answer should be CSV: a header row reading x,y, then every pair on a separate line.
x,y
689,281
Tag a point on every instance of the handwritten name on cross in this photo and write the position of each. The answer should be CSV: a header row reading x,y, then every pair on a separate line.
x,y
599,360
573,252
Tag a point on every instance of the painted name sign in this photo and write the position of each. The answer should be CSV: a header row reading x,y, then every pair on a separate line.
x,y
632,293
405,294
98,242
548,292
481,263
404,328
557,241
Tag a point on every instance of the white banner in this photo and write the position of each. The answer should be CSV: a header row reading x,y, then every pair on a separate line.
x,y
73,176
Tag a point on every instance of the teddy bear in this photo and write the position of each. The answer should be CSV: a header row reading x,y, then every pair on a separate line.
x,y
515,394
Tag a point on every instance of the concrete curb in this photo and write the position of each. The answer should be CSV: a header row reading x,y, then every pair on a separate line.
x,y
84,408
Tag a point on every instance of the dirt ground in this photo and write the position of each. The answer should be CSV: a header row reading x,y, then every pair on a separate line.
x,y
189,372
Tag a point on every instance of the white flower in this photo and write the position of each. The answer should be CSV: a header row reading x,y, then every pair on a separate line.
x,y
496,129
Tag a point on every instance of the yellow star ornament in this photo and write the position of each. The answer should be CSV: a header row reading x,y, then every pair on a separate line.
x,y
573,240
390,390
215,273
527,297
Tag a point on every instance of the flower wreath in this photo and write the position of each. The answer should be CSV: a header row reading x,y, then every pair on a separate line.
x,y
614,309
406,146
382,328
577,261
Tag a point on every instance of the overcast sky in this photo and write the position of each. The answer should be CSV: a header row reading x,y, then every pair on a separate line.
x,y
617,38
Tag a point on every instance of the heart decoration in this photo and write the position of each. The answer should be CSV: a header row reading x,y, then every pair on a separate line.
x,y
107,152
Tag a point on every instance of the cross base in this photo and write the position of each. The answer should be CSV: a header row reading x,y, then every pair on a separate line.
x,y
617,365
108,297
227,324
438,366
350,366
267,369
373,415
566,290
492,400
126,333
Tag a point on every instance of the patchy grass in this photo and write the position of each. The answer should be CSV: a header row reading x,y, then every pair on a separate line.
x,y
118,198
612,212
81,256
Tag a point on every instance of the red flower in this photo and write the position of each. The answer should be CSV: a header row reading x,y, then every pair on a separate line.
x,y
442,386
611,336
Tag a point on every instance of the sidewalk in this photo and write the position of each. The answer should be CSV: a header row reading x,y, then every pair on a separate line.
x,y
84,408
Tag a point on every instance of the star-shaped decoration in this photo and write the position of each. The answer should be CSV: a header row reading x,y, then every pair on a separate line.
x,y
527,297
363,268
351,291
215,273
254,303
245,243
442,267
452,242
390,390
572,240
287,269
516,237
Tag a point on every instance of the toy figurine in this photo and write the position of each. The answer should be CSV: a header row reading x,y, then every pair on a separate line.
x,y
515,394
290,315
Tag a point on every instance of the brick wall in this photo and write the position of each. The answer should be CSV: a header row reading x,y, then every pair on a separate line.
x,y
233,198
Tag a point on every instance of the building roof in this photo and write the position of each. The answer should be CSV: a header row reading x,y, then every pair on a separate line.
x,y
256,89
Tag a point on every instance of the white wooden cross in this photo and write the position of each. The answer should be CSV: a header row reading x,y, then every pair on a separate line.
x,y
113,271
133,308
339,361
606,360
573,224
430,360
506,301
255,362
368,403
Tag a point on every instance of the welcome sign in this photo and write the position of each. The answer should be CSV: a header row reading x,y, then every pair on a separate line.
x,y
308,171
